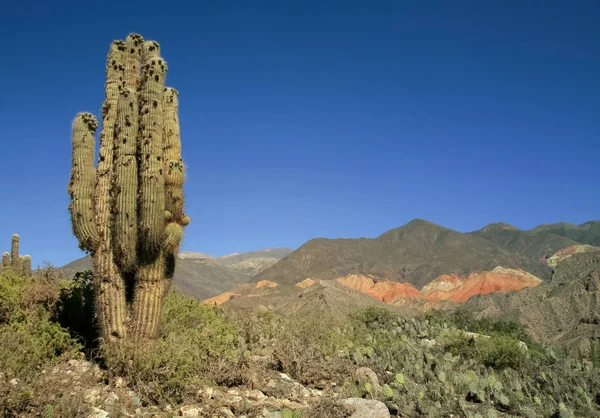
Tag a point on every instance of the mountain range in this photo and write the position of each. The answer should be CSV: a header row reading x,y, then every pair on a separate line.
x,y
419,255
415,253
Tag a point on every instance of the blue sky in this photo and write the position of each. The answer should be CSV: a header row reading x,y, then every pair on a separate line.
x,y
319,118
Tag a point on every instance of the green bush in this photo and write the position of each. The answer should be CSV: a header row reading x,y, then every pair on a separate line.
x,y
196,346
13,287
75,308
500,352
32,342
308,347
29,339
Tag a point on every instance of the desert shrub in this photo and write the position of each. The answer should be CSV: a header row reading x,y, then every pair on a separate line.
x,y
466,321
307,346
31,342
29,339
500,352
196,346
13,287
373,316
49,273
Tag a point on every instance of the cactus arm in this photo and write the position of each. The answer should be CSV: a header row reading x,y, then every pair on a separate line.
x,y
26,265
16,261
125,186
133,56
125,176
81,185
14,248
174,177
6,259
151,204
174,168
109,284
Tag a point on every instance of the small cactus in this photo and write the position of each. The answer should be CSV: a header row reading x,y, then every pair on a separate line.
x,y
19,263
6,259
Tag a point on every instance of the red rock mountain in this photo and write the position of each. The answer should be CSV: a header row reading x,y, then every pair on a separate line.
x,y
444,288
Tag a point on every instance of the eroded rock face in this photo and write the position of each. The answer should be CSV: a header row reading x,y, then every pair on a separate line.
x,y
384,291
444,283
568,252
447,287
498,280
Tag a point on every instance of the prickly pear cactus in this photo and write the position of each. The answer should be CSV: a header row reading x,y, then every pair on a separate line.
x,y
128,210
291,413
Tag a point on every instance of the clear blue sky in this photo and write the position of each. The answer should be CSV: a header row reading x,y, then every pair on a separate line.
x,y
319,118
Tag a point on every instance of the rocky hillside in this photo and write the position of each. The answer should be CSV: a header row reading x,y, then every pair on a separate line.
x,y
568,252
564,310
415,253
444,292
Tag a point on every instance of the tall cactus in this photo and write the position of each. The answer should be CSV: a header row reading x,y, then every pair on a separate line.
x,y
128,211
20,263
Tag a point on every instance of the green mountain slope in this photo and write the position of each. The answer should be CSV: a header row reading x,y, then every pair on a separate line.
x,y
586,233
530,244
417,253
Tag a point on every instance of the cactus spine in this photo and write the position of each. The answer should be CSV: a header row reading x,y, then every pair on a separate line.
x,y
128,212
20,263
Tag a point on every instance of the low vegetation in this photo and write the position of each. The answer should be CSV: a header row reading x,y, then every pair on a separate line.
x,y
435,365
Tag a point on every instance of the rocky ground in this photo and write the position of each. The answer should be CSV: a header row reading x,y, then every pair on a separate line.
x,y
273,395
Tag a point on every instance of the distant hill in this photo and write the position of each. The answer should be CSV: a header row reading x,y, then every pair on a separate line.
x,y
198,277
417,253
274,253
254,262
203,276
531,244
586,233
249,264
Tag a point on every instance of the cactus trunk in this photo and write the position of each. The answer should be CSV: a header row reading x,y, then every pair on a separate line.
x,y
128,211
